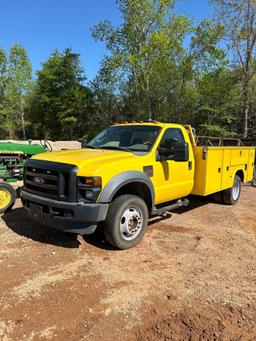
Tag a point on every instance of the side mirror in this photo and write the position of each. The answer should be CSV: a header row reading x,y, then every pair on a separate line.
x,y
165,154
181,152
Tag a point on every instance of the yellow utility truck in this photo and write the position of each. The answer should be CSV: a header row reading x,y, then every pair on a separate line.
x,y
128,173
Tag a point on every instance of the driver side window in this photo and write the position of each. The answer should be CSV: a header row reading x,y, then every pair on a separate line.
x,y
170,138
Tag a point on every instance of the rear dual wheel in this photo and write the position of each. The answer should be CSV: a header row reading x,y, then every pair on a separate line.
x,y
231,195
7,196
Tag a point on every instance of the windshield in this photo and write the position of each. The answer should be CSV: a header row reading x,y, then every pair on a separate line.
x,y
128,138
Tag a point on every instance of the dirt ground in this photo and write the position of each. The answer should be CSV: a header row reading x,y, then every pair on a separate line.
x,y
193,277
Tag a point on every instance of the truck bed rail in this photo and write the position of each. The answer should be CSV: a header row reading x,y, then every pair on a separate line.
x,y
217,141
197,140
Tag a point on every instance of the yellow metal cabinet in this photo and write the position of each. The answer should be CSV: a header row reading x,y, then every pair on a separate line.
x,y
215,167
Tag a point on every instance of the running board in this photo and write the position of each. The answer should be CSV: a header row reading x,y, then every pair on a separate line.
x,y
162,210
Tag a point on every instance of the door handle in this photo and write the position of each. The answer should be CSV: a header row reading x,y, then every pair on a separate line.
x,y
190,165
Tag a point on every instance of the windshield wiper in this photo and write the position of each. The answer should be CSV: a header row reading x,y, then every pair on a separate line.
x,y
115,148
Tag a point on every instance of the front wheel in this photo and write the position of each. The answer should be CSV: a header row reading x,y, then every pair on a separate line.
x,y
126,221
7,196
231,195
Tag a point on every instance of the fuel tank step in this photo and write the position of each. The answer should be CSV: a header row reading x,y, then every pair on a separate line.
x,y
168,208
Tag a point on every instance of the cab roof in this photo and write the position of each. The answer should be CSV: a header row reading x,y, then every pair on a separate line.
x,y
150,123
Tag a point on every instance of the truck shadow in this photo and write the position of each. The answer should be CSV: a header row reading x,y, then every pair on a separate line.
x,y
194,203
98,240
18,221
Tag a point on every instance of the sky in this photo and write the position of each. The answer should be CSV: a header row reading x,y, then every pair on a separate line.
x,y
40,26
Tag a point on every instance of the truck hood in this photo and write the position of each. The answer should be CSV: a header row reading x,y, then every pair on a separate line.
x,y
90,159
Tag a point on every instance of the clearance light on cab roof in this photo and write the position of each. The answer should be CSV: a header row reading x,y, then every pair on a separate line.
x,y
134,122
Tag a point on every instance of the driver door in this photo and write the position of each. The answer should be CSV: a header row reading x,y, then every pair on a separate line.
x,y
173,179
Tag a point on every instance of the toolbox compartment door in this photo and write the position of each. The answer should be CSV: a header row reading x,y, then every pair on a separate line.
x,y
250,165
214,171
208,170
227,179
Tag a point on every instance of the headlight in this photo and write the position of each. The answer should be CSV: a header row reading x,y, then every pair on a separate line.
x,y
90,181
88,188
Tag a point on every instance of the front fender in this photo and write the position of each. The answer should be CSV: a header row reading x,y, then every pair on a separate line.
x,y
122,179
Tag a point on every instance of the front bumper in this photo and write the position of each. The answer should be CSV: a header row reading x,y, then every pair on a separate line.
x,y
72,217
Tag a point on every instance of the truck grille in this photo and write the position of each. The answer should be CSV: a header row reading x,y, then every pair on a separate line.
x,y
51,180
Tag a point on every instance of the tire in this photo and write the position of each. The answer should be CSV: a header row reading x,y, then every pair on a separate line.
x,y
126,221
232,195
7,197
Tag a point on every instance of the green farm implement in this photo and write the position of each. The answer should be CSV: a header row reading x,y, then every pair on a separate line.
x,y
12,159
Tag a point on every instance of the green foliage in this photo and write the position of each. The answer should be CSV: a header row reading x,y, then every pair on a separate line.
x,y
215,94
239,20
144,53
15,83
154,75
158,65
60,101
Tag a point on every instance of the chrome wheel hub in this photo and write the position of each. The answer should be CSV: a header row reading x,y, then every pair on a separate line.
x,y
131,223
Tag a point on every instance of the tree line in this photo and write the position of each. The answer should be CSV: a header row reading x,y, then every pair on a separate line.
x,y
159,66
